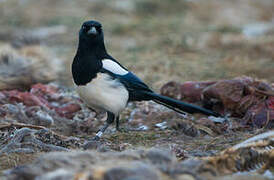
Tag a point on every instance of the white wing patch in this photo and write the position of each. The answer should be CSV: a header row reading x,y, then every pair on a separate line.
x,y
113,67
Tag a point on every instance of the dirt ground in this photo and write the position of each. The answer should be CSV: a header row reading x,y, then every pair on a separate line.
x,y
160,41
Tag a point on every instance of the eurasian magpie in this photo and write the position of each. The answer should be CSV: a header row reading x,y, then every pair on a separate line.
x,y
102,82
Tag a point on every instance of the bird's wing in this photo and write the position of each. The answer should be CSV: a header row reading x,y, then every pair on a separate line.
x,y
132,82
134,85
114,67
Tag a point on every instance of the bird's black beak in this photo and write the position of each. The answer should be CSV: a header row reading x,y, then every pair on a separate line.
x,y
92,31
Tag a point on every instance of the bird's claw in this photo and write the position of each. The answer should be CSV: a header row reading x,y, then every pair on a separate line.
x,y
118,129
122,130
92,144
96,138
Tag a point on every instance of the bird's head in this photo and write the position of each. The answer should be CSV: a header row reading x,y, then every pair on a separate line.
x,y
91,31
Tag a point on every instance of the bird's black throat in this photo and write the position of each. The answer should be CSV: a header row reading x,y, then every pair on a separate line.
x,y
87,61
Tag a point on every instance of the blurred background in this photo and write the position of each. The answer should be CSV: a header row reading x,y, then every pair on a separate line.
x,y
159,40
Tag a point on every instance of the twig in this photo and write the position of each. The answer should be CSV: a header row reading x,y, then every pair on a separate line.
x,y
20,125
266,93
267,118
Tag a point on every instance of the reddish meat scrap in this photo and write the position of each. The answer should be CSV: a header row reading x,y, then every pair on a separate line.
x,y
242,97
189,91
42,95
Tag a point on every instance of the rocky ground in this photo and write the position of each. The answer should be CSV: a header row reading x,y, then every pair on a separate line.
x,y
215,54
154,143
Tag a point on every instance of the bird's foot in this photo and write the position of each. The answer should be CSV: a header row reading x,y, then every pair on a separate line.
x,y
96,138
122,130
92,144
117,125
118,128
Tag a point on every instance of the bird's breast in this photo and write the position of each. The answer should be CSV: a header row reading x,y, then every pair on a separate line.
x,y
104,92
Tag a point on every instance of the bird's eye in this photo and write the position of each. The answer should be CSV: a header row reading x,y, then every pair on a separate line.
x,y
99,28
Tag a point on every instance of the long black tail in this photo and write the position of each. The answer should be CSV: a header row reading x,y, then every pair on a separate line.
x,y
179,106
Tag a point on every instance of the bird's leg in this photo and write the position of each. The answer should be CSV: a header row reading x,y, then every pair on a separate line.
x,y
117,123
110,120
100,132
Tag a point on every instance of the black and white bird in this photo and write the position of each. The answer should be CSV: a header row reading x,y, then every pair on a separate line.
x,y
102,82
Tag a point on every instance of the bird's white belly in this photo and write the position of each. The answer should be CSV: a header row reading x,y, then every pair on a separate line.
x,y
105,93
